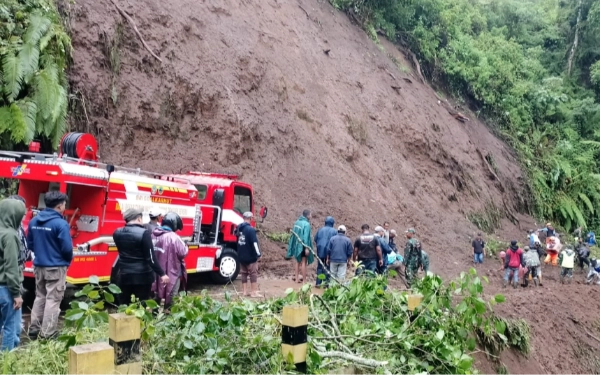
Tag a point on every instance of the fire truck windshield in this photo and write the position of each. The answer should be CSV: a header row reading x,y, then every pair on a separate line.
x,y
242,199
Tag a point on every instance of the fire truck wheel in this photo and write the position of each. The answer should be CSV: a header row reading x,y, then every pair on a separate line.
x,y
229,267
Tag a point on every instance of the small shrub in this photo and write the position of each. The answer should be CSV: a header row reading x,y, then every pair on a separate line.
x,y
283,237
357,130
302,115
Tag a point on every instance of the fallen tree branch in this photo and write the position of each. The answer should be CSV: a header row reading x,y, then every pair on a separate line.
x,y
307,16
350,357
137,32
416,62
592,336
490,169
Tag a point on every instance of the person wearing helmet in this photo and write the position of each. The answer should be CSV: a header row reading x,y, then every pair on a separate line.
x,y
154,219
170,254
322,237
339,253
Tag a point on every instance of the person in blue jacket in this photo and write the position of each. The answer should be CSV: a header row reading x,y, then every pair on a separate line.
x,y
49,238
324,234
248,253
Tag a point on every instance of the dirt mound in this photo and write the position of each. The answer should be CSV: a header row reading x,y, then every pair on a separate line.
x,y
302,104
299,102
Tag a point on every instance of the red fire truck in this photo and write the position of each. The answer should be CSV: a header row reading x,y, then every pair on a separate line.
x,y
210,205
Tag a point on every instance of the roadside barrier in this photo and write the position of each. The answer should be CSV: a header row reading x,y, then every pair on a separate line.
x,y
121,355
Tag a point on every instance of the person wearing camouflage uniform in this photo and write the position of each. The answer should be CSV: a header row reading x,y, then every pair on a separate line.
x,y
412,256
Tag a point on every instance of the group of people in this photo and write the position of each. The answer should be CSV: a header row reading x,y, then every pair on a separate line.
x,y
335,252
48,242
523,264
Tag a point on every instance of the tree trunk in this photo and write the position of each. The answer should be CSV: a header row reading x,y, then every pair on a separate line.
x,y
575,41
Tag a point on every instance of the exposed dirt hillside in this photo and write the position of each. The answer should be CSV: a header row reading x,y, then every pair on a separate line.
x,y
301,103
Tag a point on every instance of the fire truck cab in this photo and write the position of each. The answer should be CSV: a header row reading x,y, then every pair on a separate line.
x,y
210,205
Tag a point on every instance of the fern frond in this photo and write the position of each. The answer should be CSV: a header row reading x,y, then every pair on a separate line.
x,y
579,216
29,56
61,102
18,130
5,119
12,75
46,93
29,110
38,26
587,202
47,37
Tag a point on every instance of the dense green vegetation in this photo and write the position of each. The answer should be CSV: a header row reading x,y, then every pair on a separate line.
x,y
365,325
529,67
34,50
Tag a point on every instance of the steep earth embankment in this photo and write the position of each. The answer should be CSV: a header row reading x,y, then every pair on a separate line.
x,y
302,104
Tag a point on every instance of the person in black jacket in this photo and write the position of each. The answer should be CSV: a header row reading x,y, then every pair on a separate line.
x,y
137,265
248,253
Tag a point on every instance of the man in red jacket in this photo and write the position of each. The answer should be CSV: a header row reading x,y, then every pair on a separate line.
x,y
512,262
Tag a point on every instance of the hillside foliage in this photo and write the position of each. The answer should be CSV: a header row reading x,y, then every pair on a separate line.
x,y
529,67
34,51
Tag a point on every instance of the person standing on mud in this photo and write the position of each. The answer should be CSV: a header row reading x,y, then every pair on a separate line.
x,y
412,256
584,253
170,253
532,263
424,261
249,253
367,251
339,254
385,249
49,237
478,246
324,234
11,275
300,245
392,243
386,232
566,259
137,265
513,260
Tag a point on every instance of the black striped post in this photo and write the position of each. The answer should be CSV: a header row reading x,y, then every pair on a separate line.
x,y
294,334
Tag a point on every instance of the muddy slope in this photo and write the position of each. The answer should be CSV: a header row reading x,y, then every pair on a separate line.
x,y
298,101
294,98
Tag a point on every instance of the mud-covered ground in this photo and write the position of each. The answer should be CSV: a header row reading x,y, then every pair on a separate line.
x,y
297,100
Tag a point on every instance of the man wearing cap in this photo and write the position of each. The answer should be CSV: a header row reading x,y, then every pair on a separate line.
x,y
322,237
339,253
367,251
137,265
248,253
412,256
154,219
478,249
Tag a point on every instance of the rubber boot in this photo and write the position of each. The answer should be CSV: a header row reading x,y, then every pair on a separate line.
x,y
504,283
535,282
540,280
515,285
